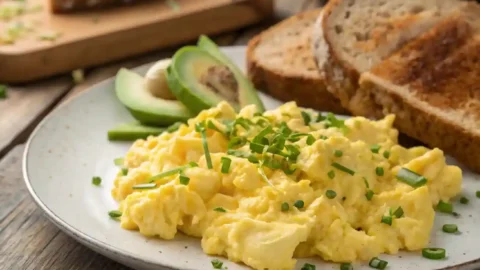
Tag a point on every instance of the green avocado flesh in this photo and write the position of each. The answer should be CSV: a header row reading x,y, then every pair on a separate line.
x,y
132,132
145,107
247,94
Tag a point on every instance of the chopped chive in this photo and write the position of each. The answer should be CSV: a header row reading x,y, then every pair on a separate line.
x,y
320,118
285,207
289,169
342,168
145,186
212,126
200,127
262,122
477,194
293,152
256,148
369,194
257,114
119,161
331,174
323,137
172,172
434,253
220,209
387,220
379,171
464,200
310,139
445,207
258,138
124,171
375,148
184,180
217,264
272,163
308,266
284,129
450,228
96,180
411,178
386,154
331,194
346,266
377,263
366,182
399,212
307,118
226,164
236,142
114,214
299,204
3,91
332,121
192,164
338,153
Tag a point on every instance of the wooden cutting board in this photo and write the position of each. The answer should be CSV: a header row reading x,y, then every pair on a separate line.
x,y
95,37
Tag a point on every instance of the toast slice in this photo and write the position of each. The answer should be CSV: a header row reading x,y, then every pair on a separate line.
x,y
280,62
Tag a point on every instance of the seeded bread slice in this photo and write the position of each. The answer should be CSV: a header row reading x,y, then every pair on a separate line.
x,y
280,62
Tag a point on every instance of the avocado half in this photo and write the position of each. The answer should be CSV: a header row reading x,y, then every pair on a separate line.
x,y
200,77
145,107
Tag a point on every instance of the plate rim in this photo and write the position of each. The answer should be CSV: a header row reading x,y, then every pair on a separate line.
x,y
105,248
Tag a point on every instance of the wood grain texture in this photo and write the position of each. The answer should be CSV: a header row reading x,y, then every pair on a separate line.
x,y
25,106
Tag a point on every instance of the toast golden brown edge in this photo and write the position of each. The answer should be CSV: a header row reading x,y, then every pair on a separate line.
x,y
305,90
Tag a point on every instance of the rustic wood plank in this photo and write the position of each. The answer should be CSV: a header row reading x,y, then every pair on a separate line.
x,y
27,239
25,106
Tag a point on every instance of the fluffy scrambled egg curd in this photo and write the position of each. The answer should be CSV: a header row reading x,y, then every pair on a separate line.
x,y
264,188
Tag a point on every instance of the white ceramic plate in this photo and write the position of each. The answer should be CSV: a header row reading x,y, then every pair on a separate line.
x,y
70,146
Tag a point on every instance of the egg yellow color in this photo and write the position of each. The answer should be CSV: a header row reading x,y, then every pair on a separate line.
x,y
289,183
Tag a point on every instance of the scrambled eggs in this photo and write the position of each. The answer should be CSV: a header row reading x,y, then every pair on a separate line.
x,y
318,186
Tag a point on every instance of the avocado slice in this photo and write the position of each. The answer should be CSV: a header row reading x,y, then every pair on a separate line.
x,y
247,92
133,131
145,107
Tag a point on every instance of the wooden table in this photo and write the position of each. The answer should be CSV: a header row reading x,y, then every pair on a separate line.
x,y
27,239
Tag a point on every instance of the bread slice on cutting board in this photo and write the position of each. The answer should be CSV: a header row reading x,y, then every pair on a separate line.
x,y
428,77
280,62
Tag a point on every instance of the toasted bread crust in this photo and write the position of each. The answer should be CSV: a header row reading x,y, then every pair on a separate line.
x,y
307,91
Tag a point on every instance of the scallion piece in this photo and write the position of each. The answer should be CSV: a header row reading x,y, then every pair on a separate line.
x,y
285,207
445,207
366,182
96,181
256,148
217,264
450,228
172,172
331,174
346,266
387,220
220,209
258,138
225,164
323,137
331,194
200,128
310,139
272,163
124,171
299,204
338,153
379,171
212,126
478,194
411,178
114,214
289,169
377,263
399,212
118,161
464,200
184,180
3,91
434,253
369,194
236,142
375,148
145,186
307,118
386,154
342,168
308,266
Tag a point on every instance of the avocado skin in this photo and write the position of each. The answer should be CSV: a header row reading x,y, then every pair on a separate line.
x,y
161,113
133,131
248,93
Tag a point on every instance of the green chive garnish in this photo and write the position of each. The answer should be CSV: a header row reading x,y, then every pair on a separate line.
x,y
114,214
212,126
445,207
375,148
310,139
464,200
306,118
387,220
411,178
399,212
450,228
145,186
342,168
386,154
331,194
258,138
184,180
217,264
172,172
96,180
236,142
338,153
331,174
379,171
308,266
323,137
118,161
256,148
200,127
220,209
366,182
124,171
377,263
285,207
434,253
478,194
3,91
346,266
369,194
225,164
299,204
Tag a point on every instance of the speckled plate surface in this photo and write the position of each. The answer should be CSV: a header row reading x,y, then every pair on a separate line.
x,y
70,146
